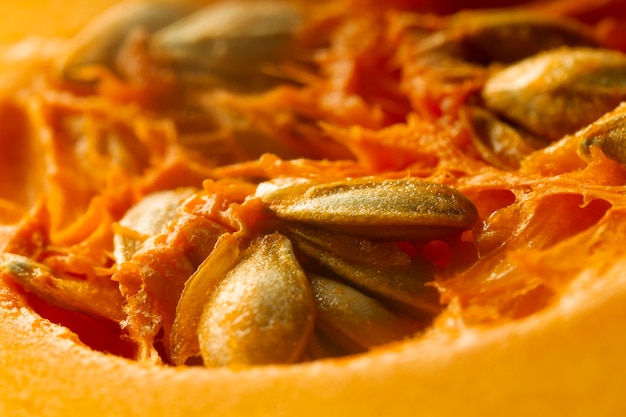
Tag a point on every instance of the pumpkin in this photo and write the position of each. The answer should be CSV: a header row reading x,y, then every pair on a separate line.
x,y
534,297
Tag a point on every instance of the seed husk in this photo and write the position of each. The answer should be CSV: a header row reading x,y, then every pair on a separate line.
x,y
145,219
228,41
262,312
100,299
354,320
558,92
487,36
351,248
474,41
404,286
99,42
608,134
194,298
372,208
497,142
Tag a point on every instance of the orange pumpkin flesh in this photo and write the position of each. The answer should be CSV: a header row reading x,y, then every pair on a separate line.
x,y
565,359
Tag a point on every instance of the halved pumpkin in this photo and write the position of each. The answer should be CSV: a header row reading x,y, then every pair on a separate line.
x,y
566,358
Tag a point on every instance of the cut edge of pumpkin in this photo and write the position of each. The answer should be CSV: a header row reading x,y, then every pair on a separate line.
x,y
515,368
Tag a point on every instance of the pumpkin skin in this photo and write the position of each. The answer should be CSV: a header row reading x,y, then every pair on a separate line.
x,y
566,359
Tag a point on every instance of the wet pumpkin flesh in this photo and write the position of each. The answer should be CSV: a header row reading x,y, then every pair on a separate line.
x,y
365,182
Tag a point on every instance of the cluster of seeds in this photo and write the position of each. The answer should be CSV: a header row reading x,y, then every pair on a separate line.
x,y
292,269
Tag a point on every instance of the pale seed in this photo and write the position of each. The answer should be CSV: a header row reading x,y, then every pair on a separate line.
x,y
354,320
608,134
100,299
262,313
372,208
555,93
405,286
195,296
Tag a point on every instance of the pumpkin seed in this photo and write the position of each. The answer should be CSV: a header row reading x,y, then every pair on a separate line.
x,y
558,92
475,40
195,295
97,299
98,43
228,41
145,219
372,208
497,142
608,134
355,249
403,285
355,320
262,312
